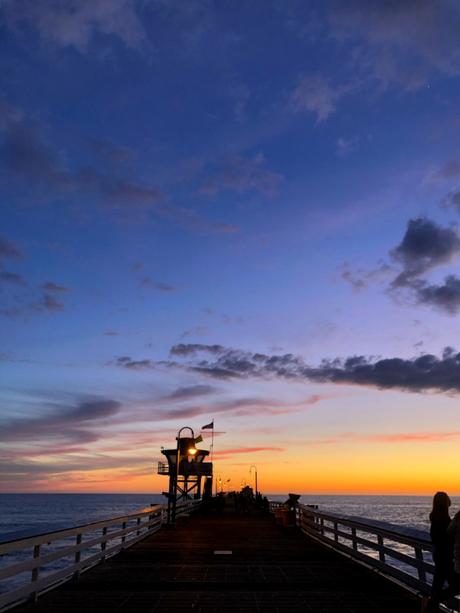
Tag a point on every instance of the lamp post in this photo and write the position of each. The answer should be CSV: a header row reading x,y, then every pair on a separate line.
x,y
191,451
253,466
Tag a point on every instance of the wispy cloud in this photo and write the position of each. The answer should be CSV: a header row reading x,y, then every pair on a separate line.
x,y
67,423
242,175
157,285
385,54
9,249
228,453
192,391
317,94
77,24
49,286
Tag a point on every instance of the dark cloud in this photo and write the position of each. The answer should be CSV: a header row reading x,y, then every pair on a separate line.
x,y
9,250
423,373
243,175
50,303
11,277
157,285
192,391
453,200
27,157
49,286
445,296
188,349
127,362
111,333
67,422
425,245
32,162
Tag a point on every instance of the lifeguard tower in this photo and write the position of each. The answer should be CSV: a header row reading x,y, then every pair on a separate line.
x,y
186,469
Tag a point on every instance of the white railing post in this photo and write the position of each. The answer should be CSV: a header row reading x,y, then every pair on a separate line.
x,y
103,543
381,551
35,572
123,538
353,539
420,569
77,557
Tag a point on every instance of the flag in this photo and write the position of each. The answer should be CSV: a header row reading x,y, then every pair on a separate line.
x,y
209,426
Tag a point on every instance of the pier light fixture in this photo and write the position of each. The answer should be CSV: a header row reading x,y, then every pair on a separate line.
x,y
253,466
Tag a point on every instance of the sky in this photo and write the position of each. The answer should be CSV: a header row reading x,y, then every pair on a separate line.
x,y
244,212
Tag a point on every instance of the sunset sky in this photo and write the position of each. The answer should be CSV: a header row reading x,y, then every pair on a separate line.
x,y
244,212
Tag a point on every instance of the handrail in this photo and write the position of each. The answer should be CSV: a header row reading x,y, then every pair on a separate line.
x,y
401,557
90,544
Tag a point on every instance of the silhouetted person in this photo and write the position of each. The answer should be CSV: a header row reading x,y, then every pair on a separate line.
x,y
443,553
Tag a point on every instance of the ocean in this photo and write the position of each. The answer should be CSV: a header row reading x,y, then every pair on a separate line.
x,y
38,513
23,515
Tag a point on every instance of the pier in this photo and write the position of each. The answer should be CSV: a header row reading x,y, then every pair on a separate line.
x,y
227,562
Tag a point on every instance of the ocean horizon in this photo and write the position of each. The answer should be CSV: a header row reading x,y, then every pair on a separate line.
x,y
44,512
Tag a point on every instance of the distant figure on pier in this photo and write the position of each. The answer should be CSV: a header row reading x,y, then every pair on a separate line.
x,y
443,554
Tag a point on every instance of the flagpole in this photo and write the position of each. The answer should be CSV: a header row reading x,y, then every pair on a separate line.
x,y
212,440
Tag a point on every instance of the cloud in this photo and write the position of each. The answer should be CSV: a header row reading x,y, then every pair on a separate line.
x,y
49,286
65,422
227,453
110,152
360,279
450,170
117,192
453,200
422,373
317,95
157,285
425,245
28,158
127,362
10,250
445,296
243,175
345,146
196,331
33,164
50,303
76,23
383,49
111,333
193,391
183,349
11,277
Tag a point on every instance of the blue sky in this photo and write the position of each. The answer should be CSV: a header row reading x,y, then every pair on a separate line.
x,y
236,180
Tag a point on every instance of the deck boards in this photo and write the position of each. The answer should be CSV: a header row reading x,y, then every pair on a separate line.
x,y
271,570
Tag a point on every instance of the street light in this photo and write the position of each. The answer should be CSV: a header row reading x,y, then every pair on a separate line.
x,y
253,466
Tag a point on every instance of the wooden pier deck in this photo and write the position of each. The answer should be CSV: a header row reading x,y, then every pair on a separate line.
x,y
271,570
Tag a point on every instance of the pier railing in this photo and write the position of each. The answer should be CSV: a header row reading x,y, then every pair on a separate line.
x,y
398,556
33,565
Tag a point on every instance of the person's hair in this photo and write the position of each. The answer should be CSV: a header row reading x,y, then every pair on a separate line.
x,y
441,504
